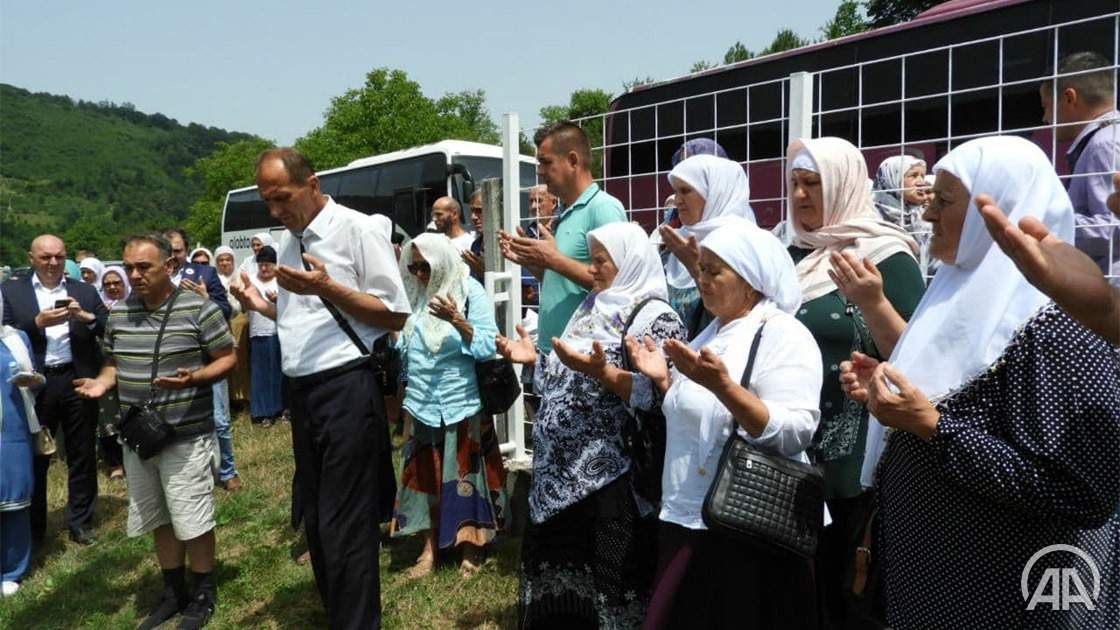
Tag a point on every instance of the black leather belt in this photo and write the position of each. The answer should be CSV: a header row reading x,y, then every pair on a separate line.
x,y
304,382
58,369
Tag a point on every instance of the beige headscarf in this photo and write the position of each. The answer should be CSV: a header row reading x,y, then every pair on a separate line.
x,y
851,222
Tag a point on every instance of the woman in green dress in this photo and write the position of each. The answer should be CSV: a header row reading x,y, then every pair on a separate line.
x,y
847,260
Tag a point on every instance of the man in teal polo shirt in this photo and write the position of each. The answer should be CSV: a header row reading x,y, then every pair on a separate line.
x,y
561,260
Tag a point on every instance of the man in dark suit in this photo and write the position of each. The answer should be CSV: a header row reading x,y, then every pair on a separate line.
x,y
64,319
202,279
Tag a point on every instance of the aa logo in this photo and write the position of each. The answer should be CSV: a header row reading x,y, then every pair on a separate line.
x,y
1062,587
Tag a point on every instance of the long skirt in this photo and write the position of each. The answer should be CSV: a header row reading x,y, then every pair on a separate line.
x,y
590,565
267,390
239,379
708,581
452,478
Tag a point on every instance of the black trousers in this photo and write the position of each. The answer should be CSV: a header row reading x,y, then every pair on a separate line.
x,y
58,407
340,438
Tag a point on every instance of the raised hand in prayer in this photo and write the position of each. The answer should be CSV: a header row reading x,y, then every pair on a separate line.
x,y
197,287
1058,269
472,261
304,282
593,365
686,251
648,359
855,376
181,380
704,368
859,281
443,308
89,388
529,252
248,295
895,402
520,350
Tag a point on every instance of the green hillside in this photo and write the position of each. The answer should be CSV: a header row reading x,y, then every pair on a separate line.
x,y
92,172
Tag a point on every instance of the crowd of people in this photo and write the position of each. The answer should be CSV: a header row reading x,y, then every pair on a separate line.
x,y
958,426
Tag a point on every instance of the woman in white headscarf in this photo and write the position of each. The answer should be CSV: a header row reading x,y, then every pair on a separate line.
x,y
1006,421
899,191
201,256
452,487
91,269
860,281
114,288
748,283
705,188
256,242
585,558
17,425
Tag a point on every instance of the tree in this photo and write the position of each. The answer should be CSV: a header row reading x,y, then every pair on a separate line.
x,y
701,66
786,39
637,82
588,104
229,166
736,53
887,12
846,21
390,113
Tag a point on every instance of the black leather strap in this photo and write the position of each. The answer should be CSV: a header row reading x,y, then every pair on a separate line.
x,y
333,310
159,337
746,380
626,364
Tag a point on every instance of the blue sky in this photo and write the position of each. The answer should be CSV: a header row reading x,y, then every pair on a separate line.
x,y
270,68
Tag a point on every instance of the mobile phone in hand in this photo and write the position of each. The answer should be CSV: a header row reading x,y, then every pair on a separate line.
x,y
62,303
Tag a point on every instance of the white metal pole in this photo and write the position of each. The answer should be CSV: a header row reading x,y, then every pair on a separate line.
x,y
511,208
800,122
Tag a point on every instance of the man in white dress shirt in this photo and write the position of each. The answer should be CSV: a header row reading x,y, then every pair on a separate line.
x,y
340,295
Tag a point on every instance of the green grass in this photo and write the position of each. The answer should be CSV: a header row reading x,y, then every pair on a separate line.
x,y
113,583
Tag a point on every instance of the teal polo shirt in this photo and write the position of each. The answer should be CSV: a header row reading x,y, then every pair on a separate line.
x,y
560,296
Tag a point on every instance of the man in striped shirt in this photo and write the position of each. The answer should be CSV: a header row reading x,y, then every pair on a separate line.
x,y
169,494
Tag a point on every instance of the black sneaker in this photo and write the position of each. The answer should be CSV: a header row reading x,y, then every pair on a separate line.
x,y
197,612
168,607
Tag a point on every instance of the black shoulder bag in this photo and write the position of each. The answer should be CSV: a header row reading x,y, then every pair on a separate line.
x,y
763,498
643,432
498,385
142,429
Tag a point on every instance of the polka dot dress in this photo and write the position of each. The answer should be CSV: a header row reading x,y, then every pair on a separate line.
x,y
1026,455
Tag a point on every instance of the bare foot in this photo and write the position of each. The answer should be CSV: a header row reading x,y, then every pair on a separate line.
x,y
304,558
233,484
422,568
116,473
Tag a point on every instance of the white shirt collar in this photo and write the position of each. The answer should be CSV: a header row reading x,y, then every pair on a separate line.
x,y
37,283
321,224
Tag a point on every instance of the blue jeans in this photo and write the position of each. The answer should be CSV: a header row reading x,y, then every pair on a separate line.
x,y
227,470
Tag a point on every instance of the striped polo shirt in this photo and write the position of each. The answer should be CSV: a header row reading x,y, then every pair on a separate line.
x,y
195,329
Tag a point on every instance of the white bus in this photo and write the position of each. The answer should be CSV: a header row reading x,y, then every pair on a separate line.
x,y
401,185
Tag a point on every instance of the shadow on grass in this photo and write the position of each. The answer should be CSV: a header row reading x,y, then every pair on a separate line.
x,y
57,538
292,606
501,616
98,586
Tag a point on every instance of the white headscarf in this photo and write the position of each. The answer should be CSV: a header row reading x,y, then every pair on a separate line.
x,y
448,279
221,251
975,306
726,192
850,221
249,265
889,195
265,238
10,338
603,314
759,258
94,265
124,281
209,256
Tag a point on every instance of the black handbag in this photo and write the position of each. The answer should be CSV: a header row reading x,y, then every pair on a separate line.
x,y
763,498
498,385
643,433
141,428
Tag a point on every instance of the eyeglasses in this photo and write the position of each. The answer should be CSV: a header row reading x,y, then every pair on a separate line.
x,y
418,268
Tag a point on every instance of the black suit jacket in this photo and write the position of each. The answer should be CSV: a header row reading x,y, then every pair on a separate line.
x,y
214,286
21,306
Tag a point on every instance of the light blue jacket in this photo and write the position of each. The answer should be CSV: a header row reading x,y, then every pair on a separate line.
x,y
442,388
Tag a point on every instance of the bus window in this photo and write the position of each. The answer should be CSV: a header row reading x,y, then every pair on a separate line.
x,y
247,211
426,175
356,190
